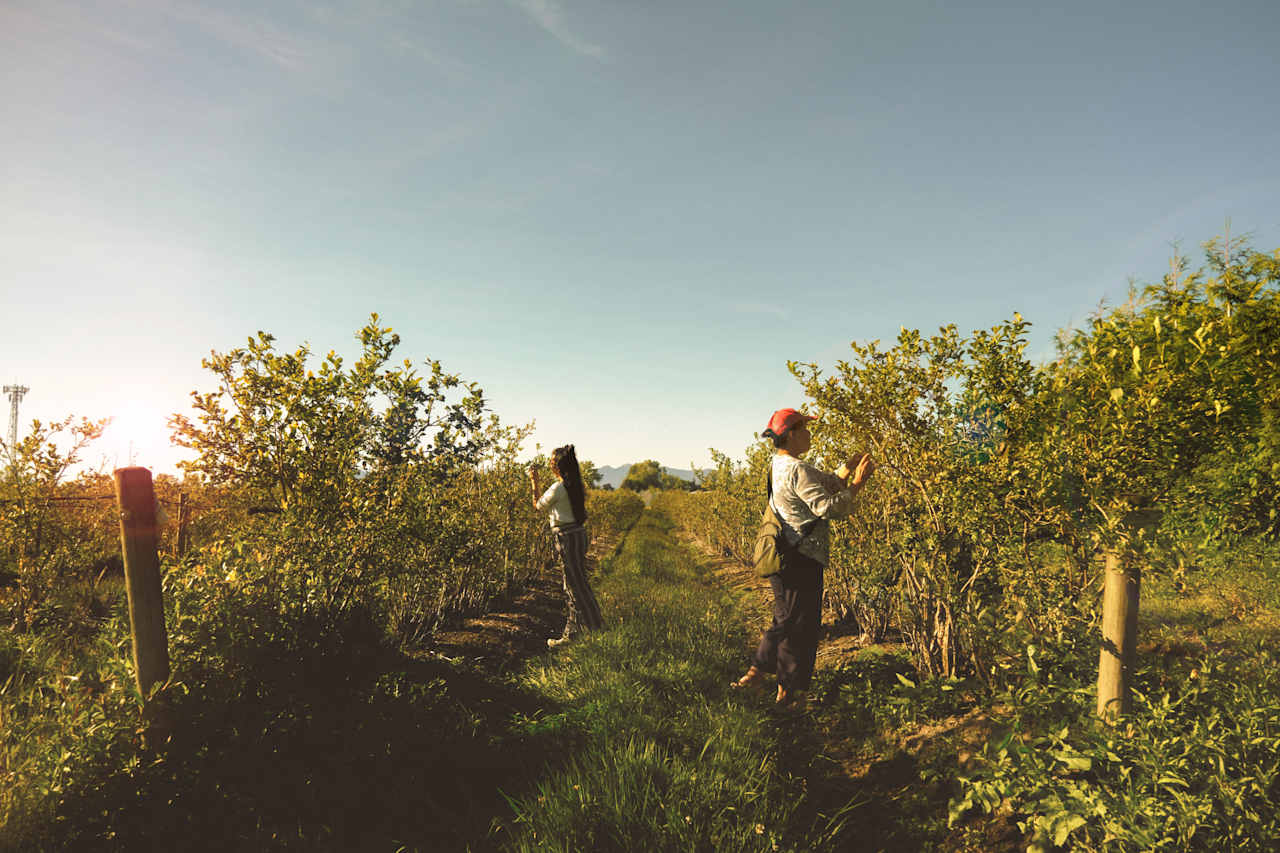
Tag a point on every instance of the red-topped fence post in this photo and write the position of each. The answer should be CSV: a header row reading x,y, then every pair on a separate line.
x,y
136,498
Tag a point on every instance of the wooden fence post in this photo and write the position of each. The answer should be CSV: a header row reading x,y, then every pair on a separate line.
x,y
1119,632
184,519
136,498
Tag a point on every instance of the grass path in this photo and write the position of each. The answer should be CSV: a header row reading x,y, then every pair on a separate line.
x,y
654,751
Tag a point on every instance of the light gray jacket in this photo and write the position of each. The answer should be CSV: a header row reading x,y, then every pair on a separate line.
x,y
803,494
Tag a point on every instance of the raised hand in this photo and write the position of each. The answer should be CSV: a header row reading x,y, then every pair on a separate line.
x,y
863,469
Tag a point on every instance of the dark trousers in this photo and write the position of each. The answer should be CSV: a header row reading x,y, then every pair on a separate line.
x,y
584,612
790,645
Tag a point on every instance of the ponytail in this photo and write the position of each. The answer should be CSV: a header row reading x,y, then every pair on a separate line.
x,y
565,461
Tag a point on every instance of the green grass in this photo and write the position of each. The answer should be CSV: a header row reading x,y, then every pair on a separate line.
x,y
1229,601
64,694
657,752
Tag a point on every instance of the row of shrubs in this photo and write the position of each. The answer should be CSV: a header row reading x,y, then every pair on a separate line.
x,y
331,509
1154,434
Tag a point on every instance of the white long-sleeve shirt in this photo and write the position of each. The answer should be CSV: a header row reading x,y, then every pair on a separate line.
x,y
555,502
803,494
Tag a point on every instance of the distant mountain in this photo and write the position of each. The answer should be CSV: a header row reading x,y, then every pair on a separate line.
x,y
681,473
613,475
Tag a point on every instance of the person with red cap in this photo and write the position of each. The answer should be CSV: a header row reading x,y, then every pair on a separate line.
x,y
806,500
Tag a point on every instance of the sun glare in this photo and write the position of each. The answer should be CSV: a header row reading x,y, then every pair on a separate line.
x,y
138,435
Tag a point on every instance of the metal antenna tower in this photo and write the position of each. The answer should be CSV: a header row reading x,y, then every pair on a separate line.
x,y
15,393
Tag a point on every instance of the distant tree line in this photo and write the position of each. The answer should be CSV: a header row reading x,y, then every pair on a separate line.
x,y
651,475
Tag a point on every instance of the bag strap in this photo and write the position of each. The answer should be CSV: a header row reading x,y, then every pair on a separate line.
x,y
804,529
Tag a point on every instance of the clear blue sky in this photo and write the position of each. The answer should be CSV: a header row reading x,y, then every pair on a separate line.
x,y
622,218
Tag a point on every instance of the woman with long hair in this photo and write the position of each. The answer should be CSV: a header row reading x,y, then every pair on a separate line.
x,y
565,503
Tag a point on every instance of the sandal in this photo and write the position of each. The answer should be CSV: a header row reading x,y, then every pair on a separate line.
x,y
753,680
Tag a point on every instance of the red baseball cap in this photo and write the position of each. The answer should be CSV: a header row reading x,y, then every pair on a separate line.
x,y
783,420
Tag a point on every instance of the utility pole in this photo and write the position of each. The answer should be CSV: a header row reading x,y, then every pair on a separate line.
x,y
15,393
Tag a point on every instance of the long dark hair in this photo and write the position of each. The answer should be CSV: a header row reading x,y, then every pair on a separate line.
x,y
565,461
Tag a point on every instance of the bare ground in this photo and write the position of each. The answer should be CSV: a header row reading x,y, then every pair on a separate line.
x,y
517,627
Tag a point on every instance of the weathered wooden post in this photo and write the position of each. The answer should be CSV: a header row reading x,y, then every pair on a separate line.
x,y
184,519
136,498
1120,594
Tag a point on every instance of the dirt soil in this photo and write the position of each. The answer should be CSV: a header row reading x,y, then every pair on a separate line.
x,y
517,627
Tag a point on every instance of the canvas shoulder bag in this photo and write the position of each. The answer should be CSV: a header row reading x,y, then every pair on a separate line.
x,y
766,557
771,542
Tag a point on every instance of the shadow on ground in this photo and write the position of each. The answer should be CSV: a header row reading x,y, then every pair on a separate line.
x,y
353,747
896,801
340,754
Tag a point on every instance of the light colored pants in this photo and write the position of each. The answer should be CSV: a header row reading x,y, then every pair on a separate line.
x,y
584,612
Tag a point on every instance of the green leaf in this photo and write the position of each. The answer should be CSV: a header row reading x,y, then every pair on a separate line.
x,y
1075,761
958,808
1064,827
